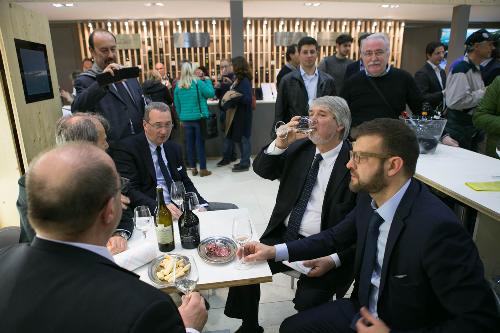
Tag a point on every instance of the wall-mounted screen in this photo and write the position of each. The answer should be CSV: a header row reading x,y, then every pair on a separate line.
x,y
35,72
445,34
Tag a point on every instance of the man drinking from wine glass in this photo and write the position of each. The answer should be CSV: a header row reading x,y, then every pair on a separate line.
x,y
313,195
149,160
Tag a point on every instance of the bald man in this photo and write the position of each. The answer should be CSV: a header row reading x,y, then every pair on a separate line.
x,y
89,128
74,199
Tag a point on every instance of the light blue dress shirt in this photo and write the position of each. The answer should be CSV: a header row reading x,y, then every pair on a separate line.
x,y
160,180
311,83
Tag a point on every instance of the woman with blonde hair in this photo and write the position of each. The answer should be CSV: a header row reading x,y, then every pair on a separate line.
x,y
190,99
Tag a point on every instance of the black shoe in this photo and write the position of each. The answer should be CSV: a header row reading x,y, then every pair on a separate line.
x,y
240,168
245,329
233,159
223,162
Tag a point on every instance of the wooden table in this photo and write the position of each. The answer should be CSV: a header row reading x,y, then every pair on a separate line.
x,y
216,223
447,170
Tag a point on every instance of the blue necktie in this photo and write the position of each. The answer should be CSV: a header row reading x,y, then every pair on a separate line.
x,y
369,258
163,168
297,213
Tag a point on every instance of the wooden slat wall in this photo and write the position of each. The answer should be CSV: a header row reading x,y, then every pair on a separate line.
x,y
264,57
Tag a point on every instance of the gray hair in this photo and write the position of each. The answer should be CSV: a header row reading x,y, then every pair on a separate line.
x,y
76,128
339,109
160,106
377,36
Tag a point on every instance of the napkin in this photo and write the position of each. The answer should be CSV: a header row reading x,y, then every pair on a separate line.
x,y
485,186
298,266
137,256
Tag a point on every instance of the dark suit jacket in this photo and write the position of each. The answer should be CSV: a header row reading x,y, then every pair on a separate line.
x,y
121,114
432,278
428,83
283,71
53,287
133,160
352,69
291,168
490,71
292,97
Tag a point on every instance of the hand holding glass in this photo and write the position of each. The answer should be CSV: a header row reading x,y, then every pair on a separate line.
x,y
185,277
143,219
242,234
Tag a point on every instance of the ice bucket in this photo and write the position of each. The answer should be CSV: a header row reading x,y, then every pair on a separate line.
x,y
428,132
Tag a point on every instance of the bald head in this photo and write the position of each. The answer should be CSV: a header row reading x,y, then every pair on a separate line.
x,y
68,187
88,127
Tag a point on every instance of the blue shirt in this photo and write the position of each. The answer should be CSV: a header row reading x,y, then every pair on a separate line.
x,y
160,180
386,212
311,83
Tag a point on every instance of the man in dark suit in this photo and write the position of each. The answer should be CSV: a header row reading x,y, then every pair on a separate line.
x,y
298,88
431,79
416,268
313,196
356,66
121,103
74,199
149,160
292,61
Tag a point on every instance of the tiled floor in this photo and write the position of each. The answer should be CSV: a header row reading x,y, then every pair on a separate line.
x,y
247,190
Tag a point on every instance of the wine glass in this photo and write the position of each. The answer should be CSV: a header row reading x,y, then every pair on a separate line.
x,y
143,219
242,234
177,192
306,125
185,277
192,199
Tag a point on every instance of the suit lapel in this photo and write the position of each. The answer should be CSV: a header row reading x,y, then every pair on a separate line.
x,y
148,159
362,221
115,93
397,226
433,76
339,172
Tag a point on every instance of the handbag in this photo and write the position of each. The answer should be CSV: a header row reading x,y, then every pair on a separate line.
x,y
208,126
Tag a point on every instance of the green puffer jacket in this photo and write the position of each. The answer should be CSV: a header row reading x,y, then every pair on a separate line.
x,y
487,116
186,100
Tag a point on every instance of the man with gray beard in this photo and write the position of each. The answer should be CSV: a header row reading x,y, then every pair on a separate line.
x,y
313,195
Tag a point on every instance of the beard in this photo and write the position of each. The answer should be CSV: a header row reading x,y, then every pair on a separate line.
x,y
317,140
373,185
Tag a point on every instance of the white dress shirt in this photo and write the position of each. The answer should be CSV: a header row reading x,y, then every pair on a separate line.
x,y
311,220
311,83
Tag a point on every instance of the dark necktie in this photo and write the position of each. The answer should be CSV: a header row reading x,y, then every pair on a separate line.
x,y
369,257
163,168
297,213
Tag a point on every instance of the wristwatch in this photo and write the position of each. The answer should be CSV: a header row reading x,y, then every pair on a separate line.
x,y
121,233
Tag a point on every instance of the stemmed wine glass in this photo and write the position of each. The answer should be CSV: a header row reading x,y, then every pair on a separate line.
x,y
143,219
242,234
192,198
186,281
177,192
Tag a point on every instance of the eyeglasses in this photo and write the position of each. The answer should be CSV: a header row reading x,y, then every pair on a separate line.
x,y
158,126
377,53
356,156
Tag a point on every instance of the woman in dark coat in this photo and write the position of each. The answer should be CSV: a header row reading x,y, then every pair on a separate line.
x,y
241,125
154,90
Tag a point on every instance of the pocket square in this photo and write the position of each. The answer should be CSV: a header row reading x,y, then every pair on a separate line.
x,y
179,168
401,276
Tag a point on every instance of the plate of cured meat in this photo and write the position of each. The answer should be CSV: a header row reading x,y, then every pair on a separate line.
x,y
217,250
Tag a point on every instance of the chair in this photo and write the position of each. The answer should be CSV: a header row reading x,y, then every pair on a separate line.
x,y
9,236
293,275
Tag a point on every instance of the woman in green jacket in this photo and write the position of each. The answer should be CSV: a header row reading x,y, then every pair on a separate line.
x,y
487,117
190,99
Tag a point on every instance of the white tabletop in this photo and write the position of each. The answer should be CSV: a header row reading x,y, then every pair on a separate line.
x,y
215,223
449,168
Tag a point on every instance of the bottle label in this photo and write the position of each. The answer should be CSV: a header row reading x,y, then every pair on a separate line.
x,y
164,234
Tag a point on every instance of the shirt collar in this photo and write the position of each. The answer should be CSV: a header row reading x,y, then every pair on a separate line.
x,y
434,67
330,156
473,66
388,209
100,250
289,65
152,145
304,74
387,69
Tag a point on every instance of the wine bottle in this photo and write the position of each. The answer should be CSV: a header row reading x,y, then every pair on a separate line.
x,y
189,226
164,226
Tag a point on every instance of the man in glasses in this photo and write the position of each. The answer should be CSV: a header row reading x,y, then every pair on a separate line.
x,y
416,268
313,196
380,91
149,160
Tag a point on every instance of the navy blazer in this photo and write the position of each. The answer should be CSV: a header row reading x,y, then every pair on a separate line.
x,y
124,117
428,83
432,278
134,161
54,287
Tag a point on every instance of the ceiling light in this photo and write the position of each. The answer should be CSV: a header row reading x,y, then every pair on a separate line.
x,y
265,22
394,6
249,22
159,4
213,22
179,23
143,23
308,4
316,4
161,23
69,4
58,5
89,25
196,22
148,4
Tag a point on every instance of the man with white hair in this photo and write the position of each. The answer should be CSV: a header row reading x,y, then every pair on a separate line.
x,y
313,195
381,90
